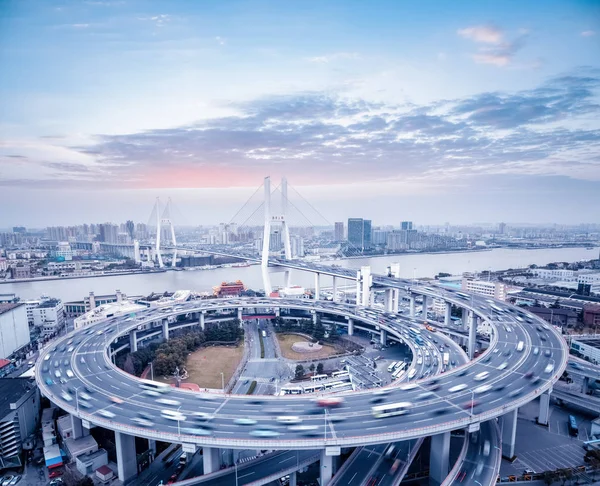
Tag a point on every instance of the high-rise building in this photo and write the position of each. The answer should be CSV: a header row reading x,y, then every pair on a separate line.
x,y
339,231
275,243
130,227
359,234
502,228
355,233
297,246
406,225
367,234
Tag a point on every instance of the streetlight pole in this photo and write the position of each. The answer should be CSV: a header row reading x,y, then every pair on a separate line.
x,y
178,415
472,401
77,399
151,371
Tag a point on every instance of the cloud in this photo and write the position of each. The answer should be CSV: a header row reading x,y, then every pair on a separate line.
x,y
80,26
495,49
588,33
482,33
329,140
326,59
158,20
220,40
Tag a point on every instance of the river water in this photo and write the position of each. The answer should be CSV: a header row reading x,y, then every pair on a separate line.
x,y
419,264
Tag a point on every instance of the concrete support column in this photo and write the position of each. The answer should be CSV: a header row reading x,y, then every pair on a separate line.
x,y
201,320
165,327
388,302
314,318
411,300
439,458
239,315
133,341
126,457
227,457
395,300
335,295
425,305
448,314
76,427
210,459
350,327
544,414
383,337
317,285
585,388
293,479
508,427
326,467
152,446
472,334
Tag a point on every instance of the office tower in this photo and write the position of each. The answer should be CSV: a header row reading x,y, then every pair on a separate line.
x,y
339,231
406,225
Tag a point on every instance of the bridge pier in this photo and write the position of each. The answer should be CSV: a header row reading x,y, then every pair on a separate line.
x,y
335,296
317,285
201,320
239,315
388,301
133,341
585,388
126,456
350,327
544,414
424,307
210,459
77,428
326,466
293,479
448,314
364,282
439,458
152,447
411,300
165,329
508,428
472,334
383,337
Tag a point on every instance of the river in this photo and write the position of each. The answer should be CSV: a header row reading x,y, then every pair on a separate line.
x,y
419,264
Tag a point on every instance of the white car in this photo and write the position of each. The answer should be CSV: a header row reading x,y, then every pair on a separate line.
x,y
168,401
107,414
549,369
481,376
503,365
482,389
457,388
288,420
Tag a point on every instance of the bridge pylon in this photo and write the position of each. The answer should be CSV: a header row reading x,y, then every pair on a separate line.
x,y
269,220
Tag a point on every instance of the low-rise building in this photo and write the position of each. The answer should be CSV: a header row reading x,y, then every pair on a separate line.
x,y
19,412
88,463
496,290
587,348
14,329
49,316
563,318
591,315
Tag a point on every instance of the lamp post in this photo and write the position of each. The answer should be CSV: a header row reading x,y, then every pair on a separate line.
x,y
472,401
223,381
77,398
178,416
151,370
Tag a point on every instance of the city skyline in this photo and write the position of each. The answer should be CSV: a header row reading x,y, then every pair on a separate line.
x,y
430,113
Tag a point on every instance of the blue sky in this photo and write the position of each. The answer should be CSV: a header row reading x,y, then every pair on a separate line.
x,y
432,110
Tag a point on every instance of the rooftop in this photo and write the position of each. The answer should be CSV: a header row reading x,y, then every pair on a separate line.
x,y
46,304
8,307
11,390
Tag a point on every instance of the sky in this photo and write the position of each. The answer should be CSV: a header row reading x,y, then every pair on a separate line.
x,y
429,110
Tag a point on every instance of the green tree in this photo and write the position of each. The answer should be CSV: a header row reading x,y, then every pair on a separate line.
x,y
299,373
128,366
319,331
319,368
311,367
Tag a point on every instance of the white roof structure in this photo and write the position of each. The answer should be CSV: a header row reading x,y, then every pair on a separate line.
x,y
105,311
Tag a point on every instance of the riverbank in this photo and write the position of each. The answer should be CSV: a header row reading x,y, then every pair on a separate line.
x,y
74,277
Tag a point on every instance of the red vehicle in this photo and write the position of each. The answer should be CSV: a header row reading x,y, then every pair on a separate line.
x,y
330,401
470,404
172,479
56,473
